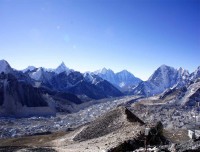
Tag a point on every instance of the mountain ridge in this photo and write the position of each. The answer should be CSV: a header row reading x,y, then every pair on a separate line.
x,y
163,78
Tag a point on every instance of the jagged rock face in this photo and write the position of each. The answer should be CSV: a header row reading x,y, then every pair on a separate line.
x,y
110,122
163,78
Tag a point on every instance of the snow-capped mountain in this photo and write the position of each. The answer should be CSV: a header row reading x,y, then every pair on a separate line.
x,y
29,68
36,73
44,75
61,68
64,79
127,80
107,74
85,85
40,74
163,78
102,83
92,78
5,67
29,93
183,74
123,80
20,97
183,78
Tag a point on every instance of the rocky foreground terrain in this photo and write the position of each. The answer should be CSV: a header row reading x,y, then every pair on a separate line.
x,y
116,130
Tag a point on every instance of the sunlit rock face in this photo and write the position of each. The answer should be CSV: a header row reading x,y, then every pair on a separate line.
x,y
163,78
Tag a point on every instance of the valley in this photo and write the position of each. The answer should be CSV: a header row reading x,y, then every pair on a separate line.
x,y
65,110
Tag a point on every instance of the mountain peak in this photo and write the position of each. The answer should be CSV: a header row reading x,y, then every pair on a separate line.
x,y
29,68
4,66
4,62
125,71
61,68
62,64
103,71
183,71
164,66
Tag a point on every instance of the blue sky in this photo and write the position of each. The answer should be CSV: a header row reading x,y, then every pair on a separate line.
x,y
137,35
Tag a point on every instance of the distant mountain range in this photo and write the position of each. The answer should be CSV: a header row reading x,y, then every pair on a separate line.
x,y
48,90
123,80
163,78
61,88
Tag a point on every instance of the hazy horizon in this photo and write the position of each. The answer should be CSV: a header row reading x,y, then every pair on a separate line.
x,y
87,35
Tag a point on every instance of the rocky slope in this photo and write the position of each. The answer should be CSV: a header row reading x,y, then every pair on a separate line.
x,y
110,122
105,133
20,99
185,96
